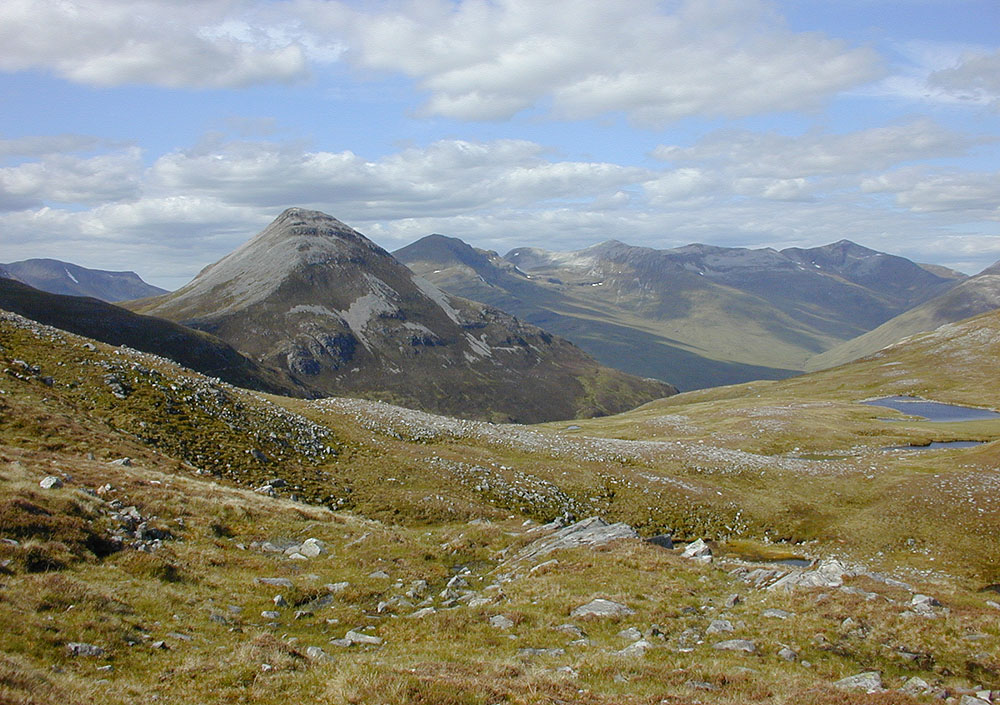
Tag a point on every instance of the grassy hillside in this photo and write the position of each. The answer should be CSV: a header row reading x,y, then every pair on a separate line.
x,y
157,562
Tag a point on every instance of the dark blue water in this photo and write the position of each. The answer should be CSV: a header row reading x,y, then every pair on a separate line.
x,y
933,410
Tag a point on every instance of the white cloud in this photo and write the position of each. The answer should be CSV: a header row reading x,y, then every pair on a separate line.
x,y
70,179
447,177
482,61
771,155
974,194
158,42
975,78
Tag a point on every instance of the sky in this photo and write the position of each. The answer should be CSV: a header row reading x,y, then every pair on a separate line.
x,y
158,135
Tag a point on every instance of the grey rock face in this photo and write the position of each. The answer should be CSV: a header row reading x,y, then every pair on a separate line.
x,y
601,608
589,532
828,574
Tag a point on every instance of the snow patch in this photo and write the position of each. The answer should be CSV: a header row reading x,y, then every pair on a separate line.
x,y
70,275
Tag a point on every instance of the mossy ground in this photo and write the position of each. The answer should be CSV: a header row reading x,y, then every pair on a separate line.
x,y
418,499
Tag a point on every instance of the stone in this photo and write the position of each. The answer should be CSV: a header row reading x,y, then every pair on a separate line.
x,y
732,601
662,540
601,608
124,462
972,700
869,681
776,614
51,483
378,574
630,634
76,648
787,654
636,648
590,532
316,653
719,626
697,549
334,588
358,638
915,686
499,621
270,614
924,601
541,652
423,612
479,602
274,582
570,629
312,548
828,574
744,645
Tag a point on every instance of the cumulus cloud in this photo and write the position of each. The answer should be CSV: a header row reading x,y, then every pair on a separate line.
x,y
974,194
772,155
975,78
446,177
70,179
158,42
661,62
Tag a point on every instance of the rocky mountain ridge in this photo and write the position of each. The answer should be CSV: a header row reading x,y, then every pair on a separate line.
x,y
312,296
700,315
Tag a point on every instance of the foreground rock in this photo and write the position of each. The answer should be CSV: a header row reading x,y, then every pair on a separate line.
x,y
869,682
602,608
590,532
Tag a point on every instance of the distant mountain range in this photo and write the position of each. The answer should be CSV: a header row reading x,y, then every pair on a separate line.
x,y
58,277
698,315
316,299
975,295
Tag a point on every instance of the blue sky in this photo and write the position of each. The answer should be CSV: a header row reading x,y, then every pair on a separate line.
x,y
158,135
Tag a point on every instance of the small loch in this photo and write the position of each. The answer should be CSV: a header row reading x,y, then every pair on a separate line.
x,y
933,411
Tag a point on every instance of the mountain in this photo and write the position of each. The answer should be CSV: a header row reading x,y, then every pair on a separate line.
x,y
698,315
977,294
314,297
110,324
73,280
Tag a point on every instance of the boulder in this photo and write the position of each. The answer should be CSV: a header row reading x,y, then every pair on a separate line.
x,y
744,645
662,540
601,608
828,574
869,682
51,483
590,532
499,621
697,549
719,626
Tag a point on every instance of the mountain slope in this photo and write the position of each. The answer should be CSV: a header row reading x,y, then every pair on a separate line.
x,y
977,294
697,315
117,326
73,280
312,296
